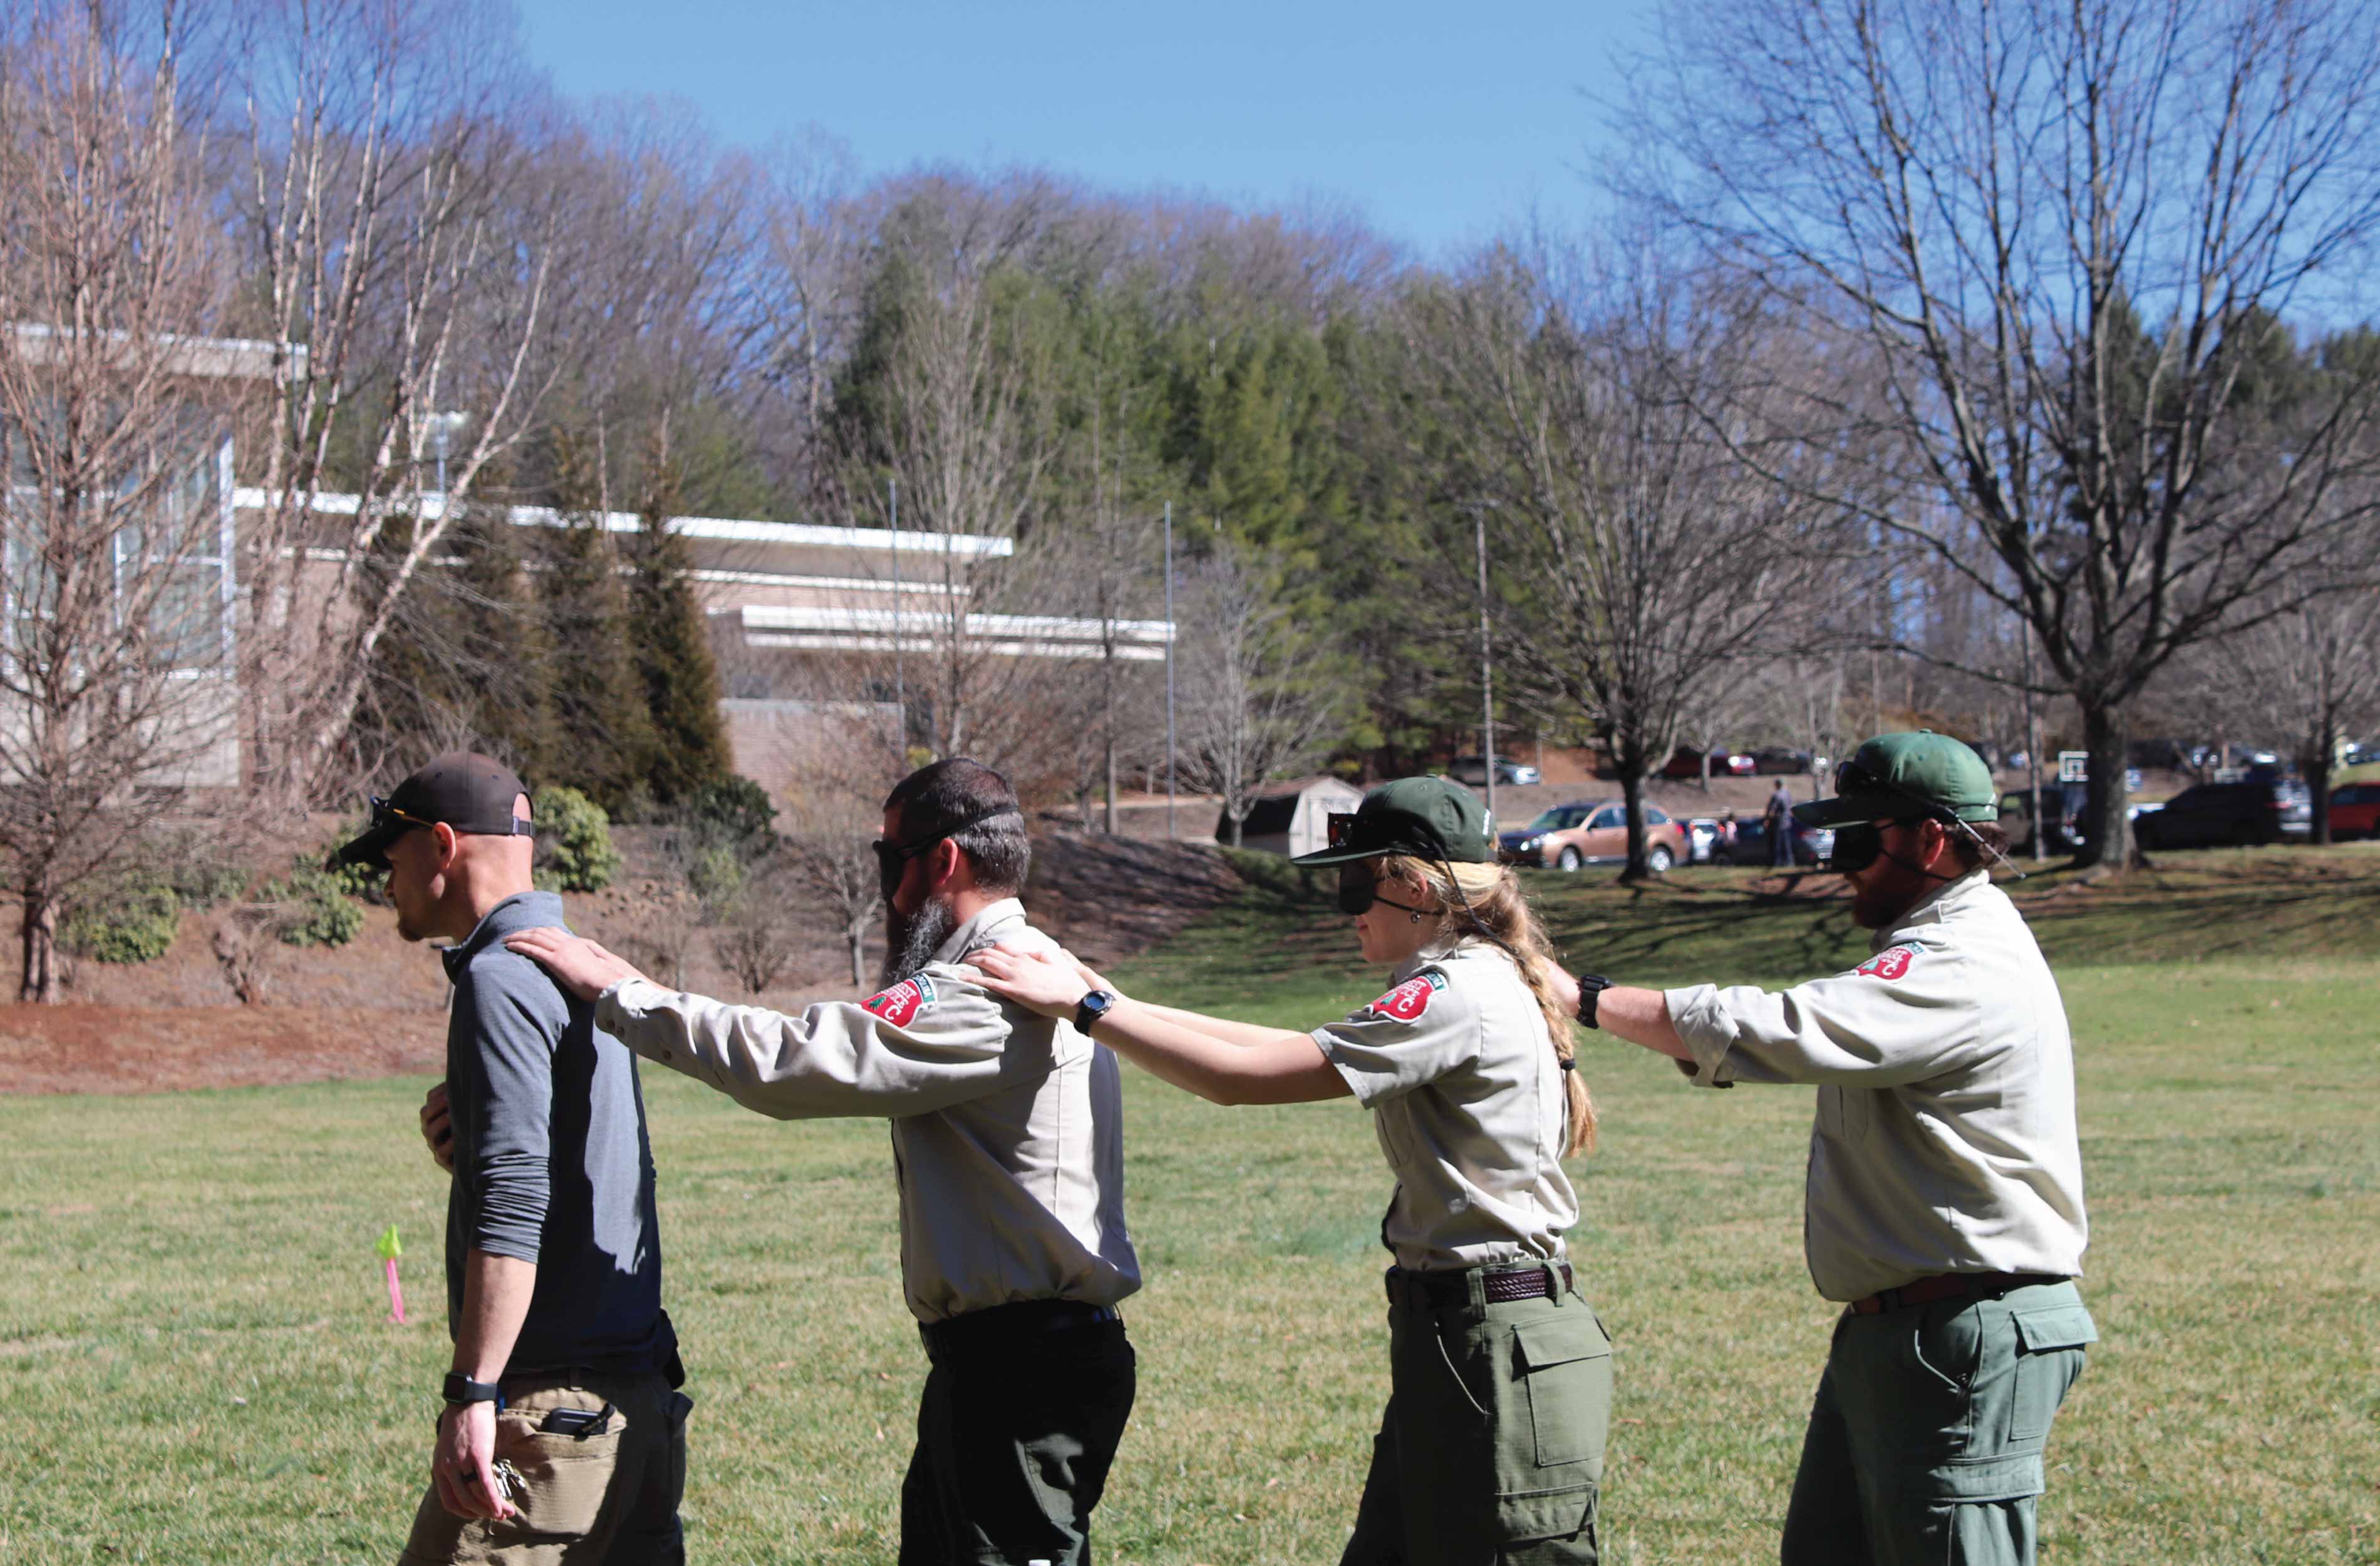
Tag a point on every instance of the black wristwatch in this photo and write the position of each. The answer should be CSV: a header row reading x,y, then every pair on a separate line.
x,y
1590,990
460,1388
1091,1008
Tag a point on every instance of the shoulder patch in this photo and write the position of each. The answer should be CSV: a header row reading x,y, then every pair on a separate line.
x,y
1408,1000
903,1001
1888,964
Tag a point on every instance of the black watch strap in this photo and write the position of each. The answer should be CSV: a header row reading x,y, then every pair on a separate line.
x,y
1590,991
461,1389
1091,1008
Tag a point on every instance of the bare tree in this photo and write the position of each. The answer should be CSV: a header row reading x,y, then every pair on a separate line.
x,y
2064,239
2314,669
115,415
831,819
967,440
1640,557
1248,710
402,260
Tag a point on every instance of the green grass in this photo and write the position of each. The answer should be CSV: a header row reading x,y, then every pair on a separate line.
x,y
195,1364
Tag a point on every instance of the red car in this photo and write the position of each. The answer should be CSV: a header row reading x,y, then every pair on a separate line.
x,y
2354,812
1688,763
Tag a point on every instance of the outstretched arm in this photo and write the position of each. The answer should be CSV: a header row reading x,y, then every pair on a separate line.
x,y
1258,1066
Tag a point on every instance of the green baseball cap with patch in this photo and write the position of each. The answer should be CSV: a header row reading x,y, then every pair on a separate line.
x,y
1428,817
1908,774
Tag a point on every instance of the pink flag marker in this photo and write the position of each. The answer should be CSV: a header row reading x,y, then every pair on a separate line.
x,y
389,1251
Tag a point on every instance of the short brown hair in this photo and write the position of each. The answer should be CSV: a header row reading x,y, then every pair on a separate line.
x,y
1989,842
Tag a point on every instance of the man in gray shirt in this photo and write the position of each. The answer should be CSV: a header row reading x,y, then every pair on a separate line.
x,y
563,1435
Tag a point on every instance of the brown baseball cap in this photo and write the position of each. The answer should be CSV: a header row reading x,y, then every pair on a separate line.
x,y
470,793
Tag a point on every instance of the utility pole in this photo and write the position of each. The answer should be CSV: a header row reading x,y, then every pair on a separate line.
x,y
1486,674
2032,736
900,691
1170,637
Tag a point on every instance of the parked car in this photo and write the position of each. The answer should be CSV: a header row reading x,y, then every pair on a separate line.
x,y
1706,840
2355,811
1774,761
1811,845
1569,836
1473,769
2262,810
2062,816
1688,763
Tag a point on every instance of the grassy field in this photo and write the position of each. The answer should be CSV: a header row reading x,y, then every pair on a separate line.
x,y
195,1363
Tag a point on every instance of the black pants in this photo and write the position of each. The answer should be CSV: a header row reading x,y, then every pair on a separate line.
x,y
1020,1419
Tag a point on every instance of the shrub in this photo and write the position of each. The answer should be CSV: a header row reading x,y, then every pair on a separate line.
x,y
129,924
573,841
716,874
311,907
737,812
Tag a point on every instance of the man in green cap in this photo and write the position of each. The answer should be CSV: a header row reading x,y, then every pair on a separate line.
x,y
1944,1205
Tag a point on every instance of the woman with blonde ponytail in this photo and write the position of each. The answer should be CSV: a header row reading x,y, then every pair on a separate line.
x,y
1491,1450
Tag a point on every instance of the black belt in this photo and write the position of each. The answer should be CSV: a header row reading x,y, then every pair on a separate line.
x,y
1946,1286
1023,1321
1498,1285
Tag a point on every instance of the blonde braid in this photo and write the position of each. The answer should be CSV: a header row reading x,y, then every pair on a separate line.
x,y
1499,908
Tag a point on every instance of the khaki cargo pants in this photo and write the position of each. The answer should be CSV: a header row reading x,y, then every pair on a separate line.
x,y
1924,1446
611,1496
1491,1450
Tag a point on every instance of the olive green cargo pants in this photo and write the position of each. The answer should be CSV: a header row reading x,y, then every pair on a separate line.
x,y
1925,1442
1492,1449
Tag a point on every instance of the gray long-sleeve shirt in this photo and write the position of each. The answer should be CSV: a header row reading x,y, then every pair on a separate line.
x,y
552,1162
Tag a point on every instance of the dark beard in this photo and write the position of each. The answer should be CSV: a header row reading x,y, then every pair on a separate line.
x,y
1882,901
910,942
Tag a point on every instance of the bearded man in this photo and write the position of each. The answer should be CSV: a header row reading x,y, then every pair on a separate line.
x,y
1944,1198
1008,1151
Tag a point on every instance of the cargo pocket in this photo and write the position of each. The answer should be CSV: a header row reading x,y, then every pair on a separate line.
x,y
1569,1398
2045,1370
565,1477
1553,1434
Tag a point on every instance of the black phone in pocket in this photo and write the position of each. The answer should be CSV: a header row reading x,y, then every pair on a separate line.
x,y
578,1423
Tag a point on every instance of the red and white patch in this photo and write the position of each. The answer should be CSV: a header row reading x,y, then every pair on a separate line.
x,y
1888,964
1408,1000
902,1002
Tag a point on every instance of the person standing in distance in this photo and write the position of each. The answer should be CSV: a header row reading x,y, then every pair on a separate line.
x,y
1490,1452
1778,819
563,1435
1008,1150
1945,1186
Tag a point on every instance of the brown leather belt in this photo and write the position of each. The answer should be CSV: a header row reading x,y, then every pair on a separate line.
x,y
1948,1285
1501,1286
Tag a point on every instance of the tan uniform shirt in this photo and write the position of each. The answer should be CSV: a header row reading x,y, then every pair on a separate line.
x,y
1945,1139
1007,1127
1468,1101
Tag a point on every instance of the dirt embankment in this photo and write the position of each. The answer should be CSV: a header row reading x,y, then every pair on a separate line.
x,y
376,1007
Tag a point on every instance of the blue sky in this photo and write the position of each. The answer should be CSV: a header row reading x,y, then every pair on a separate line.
x,y
1437,124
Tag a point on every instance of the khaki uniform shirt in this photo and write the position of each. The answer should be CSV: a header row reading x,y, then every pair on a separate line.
x,y
1007,1127
1945,1139
1468,1101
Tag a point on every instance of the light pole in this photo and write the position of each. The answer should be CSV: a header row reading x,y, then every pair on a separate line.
x,y
2032,736
442,427
1486,670
899,692
1170,832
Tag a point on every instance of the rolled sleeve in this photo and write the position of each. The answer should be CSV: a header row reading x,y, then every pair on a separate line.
x,y
1381,1056
1862,1027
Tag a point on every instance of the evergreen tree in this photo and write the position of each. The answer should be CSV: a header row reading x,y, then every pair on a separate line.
x,y
671,649
607,747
